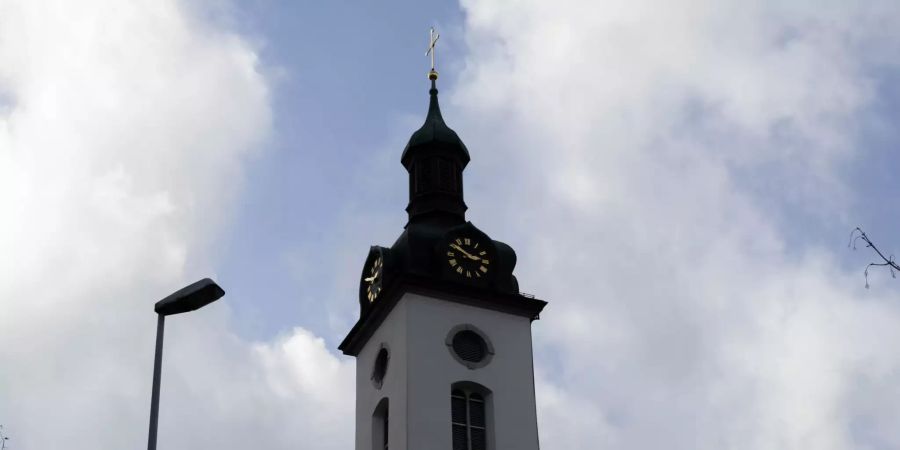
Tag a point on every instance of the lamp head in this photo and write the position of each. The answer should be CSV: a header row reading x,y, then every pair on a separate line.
x,y
190,297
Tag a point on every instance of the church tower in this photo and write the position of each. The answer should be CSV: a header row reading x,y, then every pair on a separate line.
x,y
443,341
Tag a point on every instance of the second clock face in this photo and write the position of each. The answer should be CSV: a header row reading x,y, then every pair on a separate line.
x,y
468,258
373,281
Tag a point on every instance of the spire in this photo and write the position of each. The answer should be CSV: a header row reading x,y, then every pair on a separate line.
x,y
435,158
434,134
434,108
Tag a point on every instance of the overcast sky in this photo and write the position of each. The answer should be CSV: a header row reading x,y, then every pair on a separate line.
x,y
679,180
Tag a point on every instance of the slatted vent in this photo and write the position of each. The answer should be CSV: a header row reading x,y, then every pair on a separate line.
x,y
469,346
459,420
476,422
468,420
381,363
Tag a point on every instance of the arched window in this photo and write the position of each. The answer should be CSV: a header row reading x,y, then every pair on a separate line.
x,y
380,426
469,416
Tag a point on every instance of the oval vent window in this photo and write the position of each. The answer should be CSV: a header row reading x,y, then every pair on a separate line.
x,y
381,363
469,346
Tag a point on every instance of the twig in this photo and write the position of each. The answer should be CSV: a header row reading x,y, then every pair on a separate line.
x,y
3,439
858,234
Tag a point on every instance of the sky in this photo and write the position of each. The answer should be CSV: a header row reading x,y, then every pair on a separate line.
x,y
678,179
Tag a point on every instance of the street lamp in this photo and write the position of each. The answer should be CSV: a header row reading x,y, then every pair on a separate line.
x,y
188,298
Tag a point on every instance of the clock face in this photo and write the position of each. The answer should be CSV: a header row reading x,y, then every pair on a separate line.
x,y
373,278
468,258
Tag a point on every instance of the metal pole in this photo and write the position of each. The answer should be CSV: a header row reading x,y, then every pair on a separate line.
x,y
154,400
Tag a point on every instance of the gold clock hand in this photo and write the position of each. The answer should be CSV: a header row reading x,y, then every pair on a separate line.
x,y
468,255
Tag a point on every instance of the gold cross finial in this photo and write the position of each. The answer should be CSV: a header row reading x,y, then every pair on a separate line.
x,y
432,40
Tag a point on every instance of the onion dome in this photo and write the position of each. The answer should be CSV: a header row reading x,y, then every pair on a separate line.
x,y
435,158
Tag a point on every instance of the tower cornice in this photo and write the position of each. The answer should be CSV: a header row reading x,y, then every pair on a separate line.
x,y
510,303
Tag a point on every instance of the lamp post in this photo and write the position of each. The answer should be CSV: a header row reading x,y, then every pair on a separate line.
x,y
188,298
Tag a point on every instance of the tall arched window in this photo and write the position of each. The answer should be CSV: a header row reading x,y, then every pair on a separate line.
x,y
469,416
380,426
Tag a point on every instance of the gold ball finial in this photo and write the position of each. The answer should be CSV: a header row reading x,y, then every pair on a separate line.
x,y
432,75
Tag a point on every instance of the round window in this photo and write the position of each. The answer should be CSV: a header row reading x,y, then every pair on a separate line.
x,y
469,346
381,363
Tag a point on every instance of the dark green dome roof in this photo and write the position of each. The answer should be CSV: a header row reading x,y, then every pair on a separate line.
x,y
435,136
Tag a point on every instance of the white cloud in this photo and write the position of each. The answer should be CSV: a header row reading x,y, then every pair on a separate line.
x,y
640,158
646,155
123,126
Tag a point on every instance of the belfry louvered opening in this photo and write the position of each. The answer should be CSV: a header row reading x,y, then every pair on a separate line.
x,y
380,367
468,420
380,425
469,346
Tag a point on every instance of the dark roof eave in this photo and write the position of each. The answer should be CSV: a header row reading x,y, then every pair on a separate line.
x,y
367,324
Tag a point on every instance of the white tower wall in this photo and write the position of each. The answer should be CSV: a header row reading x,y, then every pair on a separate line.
x,y
421,371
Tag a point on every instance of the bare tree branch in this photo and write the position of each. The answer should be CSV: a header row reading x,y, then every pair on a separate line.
x,y
3,439
859,235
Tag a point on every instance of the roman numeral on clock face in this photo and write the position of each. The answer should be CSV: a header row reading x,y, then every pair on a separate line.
x,y
465,258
